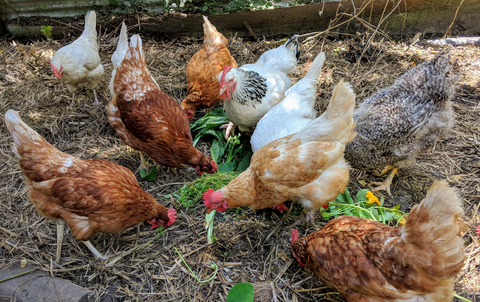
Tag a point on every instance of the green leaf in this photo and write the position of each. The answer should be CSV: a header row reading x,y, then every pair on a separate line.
x,y
362,195
226,167
149,176
396,207
244,163
241,292
217,149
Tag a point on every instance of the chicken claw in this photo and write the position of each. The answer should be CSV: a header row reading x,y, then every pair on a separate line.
x,y
228,128
281,207
94,250
143,163
386,184
96,99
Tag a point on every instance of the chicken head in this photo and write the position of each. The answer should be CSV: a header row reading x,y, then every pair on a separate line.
x,y
215,200
295,238
157,222
227,82
57,72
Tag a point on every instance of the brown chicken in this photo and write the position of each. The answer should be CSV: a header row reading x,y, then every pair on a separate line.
x,y
203,69
90,195
149,120
367,261
307,166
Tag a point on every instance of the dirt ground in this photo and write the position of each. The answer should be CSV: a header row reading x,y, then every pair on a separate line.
x,y
253,248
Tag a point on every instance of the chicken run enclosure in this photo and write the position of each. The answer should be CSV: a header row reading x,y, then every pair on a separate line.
x,y
250,246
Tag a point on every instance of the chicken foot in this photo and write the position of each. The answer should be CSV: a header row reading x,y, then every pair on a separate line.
x,y
96,99
143,163
385,185
60,228
94,250
228,128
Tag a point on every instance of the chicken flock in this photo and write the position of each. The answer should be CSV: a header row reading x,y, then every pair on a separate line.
x,y
297,156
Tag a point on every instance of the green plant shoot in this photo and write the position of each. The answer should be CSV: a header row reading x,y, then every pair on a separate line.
x,y
149,176
364,207
46,31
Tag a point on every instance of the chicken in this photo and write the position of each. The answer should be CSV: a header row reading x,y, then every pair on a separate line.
x,y
203,70
367,261
79,63
397,123
90,195
293,113
307,166
253,89
149,120
118,55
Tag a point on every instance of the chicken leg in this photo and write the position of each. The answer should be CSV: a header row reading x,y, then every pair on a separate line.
x,y
228,128
96,99
60,228
385,185
94,250
143,163
73,99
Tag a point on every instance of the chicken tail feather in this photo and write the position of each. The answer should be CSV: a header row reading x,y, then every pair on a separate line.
x,y
435,226
122,47
211,34
337,121
119,54
20,131
90,24
316,67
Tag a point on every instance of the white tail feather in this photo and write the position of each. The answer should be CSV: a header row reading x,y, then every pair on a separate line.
x,y
119,54
336,122
90,24
21,132
316,67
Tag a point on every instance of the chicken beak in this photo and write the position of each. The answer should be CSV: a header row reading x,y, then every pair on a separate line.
x,y
222,93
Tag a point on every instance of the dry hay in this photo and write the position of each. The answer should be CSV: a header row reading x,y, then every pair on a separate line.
x,y
253,248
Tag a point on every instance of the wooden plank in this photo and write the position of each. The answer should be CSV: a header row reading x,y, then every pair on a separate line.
x,y
410,16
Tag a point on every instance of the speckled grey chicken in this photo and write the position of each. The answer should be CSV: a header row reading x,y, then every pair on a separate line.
x,y
397,123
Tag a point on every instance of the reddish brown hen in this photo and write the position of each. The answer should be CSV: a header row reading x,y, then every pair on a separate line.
x,y
367,261
203,69
149,120
90,195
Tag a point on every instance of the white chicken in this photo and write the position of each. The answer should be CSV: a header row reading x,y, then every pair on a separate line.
x,y
252,90
293,113
79,62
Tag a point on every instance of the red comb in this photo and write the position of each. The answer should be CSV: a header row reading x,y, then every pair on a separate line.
x,y
172,216
226,69
55,71
214,165
294,235
207,196
478,230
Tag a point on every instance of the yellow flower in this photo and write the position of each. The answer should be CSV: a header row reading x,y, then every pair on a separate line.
x,y
402,221
372,198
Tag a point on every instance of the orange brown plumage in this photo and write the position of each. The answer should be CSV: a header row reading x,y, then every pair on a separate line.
x,y
366,260
90,195
307,166
203,88
149,120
